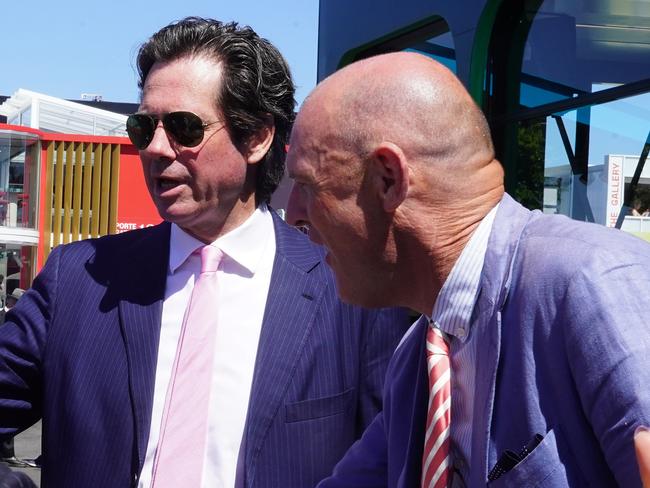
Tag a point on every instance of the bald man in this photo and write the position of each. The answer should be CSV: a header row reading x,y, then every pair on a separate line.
x,y
544,318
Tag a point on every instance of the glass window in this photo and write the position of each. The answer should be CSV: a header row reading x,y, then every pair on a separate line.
x,y
570,108
432,39
26,117
574,49
16,264
440,47
19,158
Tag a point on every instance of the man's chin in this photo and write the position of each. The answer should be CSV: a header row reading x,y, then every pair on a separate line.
x,y
348,287
175,213
353,296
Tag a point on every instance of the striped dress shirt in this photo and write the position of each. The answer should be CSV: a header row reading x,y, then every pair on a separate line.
x,y
452,313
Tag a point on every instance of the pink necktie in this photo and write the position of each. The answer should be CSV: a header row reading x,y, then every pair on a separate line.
x,y
184,426
435,460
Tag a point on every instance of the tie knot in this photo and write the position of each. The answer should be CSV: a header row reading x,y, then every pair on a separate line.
x,y
210,259
436,342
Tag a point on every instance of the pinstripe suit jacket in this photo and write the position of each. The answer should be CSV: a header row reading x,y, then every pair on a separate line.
x,y
80,351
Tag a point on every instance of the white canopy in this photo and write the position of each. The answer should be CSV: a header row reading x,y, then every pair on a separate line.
x,y
51,114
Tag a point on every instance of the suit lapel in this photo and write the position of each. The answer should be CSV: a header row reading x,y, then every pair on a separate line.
x,y
504,240
140,308
293,299
419,398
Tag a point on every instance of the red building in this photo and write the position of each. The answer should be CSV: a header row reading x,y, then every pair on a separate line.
x,y
59,187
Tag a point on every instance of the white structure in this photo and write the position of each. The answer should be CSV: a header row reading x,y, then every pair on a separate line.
x,y
605,190
51,114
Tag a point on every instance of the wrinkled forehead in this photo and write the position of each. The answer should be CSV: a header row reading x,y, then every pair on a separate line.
x,y
299,156
187,83
318,120
309,115
319,129
304,132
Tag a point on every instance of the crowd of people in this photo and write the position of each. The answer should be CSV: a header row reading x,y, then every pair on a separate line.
x,y
230,349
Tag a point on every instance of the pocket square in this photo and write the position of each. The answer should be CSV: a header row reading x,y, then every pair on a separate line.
x,y
509,459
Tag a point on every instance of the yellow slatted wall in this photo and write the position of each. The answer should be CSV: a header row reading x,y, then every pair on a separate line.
x,y
82,186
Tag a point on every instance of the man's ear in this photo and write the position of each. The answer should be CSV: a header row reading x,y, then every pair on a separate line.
x,y
260,142
393,175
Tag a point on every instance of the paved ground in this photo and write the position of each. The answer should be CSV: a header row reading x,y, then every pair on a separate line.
x,y
28,445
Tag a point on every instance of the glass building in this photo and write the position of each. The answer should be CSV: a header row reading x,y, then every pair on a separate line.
x,y
18,189
565,86
67,172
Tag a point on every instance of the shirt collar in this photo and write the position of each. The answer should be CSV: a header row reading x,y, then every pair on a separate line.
x,y
452,311
243,245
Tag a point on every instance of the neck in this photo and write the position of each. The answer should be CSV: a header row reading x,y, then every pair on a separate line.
x,y
210,232
428,250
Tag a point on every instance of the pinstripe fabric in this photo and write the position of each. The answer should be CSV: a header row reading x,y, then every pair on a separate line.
x,y
91,378
91,324
87,335
317,374
452,313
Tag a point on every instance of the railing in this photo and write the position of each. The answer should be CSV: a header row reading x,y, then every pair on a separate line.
x,y
636,224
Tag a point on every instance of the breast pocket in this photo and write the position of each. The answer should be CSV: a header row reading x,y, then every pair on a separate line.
x,y
319,407
541,468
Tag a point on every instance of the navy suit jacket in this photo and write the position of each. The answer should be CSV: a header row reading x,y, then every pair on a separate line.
x,y
80,349
564,345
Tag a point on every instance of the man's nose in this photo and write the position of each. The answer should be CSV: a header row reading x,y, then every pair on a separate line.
x,y
160,145
296,214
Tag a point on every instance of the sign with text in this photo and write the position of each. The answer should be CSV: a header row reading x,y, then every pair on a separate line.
x,y
615,188
135,209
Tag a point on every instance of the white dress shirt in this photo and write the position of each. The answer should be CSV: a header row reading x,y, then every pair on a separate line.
x,y
452,313
244,278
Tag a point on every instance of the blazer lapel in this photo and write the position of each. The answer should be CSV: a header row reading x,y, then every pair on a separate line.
x,y
293,299
418,397
140,308
504,240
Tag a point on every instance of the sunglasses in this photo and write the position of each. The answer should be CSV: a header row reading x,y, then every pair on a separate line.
x,y
186,128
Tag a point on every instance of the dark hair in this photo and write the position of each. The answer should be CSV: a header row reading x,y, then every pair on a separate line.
x,y
256,84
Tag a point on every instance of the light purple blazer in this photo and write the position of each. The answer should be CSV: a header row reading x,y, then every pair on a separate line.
x,y
564,351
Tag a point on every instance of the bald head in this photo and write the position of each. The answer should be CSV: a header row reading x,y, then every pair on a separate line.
x,y
394,169
413,102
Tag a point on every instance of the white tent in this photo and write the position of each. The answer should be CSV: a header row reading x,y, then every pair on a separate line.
x,y
51,114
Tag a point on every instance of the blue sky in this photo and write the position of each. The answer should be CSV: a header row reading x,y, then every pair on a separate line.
x,y
67,47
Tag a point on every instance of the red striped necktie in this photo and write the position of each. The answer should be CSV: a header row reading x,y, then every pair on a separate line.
x,y
435,460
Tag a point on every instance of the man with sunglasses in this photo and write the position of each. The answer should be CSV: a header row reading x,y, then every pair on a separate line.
x,y
153,365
